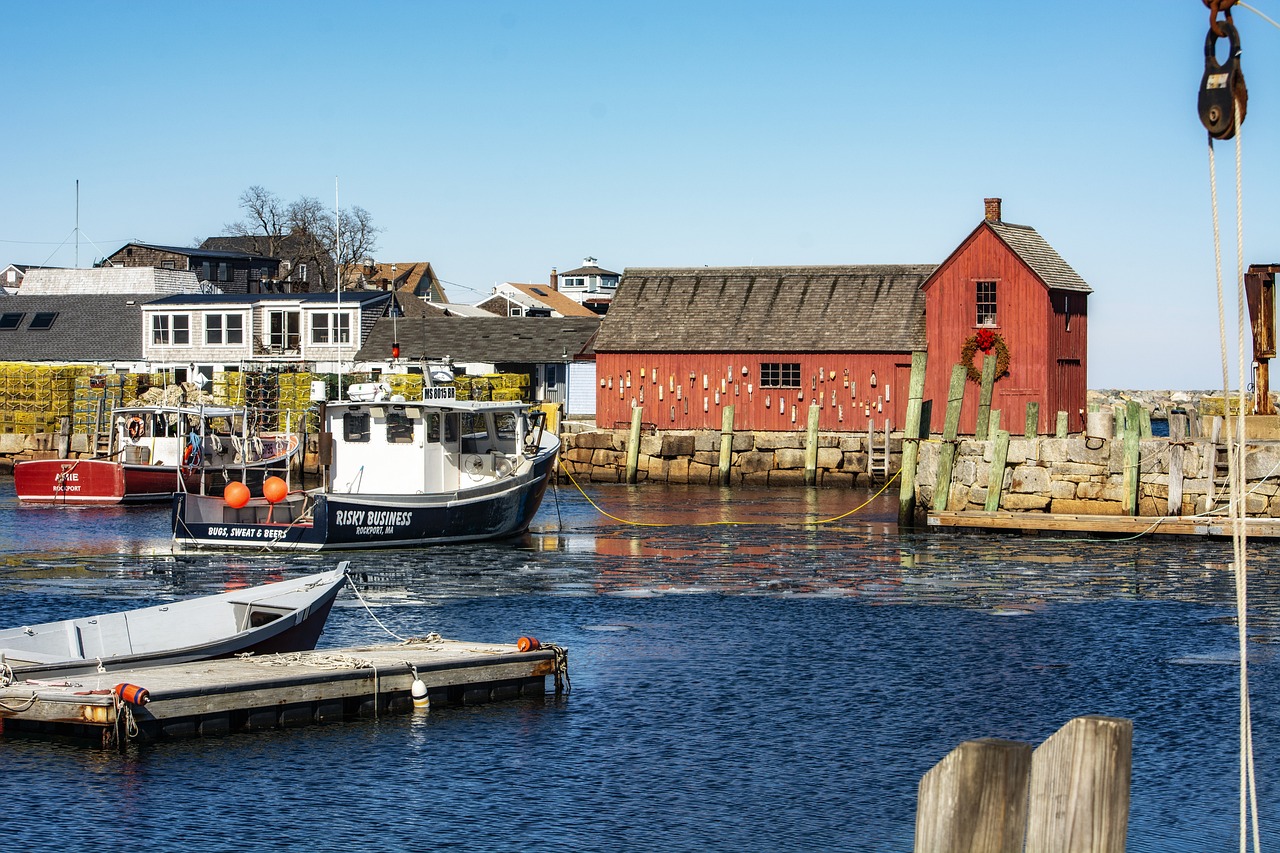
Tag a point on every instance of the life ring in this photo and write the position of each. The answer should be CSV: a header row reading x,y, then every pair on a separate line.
x,y
136,427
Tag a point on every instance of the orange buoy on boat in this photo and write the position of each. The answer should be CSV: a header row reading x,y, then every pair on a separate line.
x,y
275,489
236,494
132,694
528,644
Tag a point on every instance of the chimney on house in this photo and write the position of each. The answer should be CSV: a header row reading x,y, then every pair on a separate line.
x,y
555,279
993,209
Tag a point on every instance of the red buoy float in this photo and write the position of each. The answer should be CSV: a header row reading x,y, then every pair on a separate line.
x,y
132,694
275,489
236,494
528,644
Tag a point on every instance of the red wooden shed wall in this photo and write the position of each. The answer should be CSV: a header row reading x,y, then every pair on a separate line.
x,y
649,381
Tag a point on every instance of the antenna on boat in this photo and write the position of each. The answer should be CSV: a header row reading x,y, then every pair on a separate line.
x,y
337,274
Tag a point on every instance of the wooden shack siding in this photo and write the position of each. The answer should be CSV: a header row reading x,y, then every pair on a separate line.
x,y
755,408
1068,378
1024,319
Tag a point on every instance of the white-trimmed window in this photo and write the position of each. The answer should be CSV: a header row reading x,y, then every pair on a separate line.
x,y
224,329
780,374
986,301
171,329
331,327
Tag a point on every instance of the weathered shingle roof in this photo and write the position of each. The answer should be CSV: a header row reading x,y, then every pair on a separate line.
x,y
862,308
589,270
89,327
1036,253
538,340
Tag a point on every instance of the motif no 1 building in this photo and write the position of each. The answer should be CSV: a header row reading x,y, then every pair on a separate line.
x,y
683,343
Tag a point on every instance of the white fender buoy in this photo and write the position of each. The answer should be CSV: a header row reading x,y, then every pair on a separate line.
x,y
418,690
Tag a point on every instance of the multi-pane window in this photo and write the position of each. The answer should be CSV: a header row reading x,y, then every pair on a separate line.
x,y
224,329
330,327
986,300
169,329
774,374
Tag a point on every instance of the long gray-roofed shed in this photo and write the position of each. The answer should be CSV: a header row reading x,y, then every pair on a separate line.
x,y
852,308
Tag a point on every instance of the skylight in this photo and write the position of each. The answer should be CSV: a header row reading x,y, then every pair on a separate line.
x,y
43,319
11,320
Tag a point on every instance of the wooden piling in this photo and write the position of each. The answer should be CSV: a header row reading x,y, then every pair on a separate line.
x,y
1177,453
1080,788
726,444
1033,420
946,459
995,483
911,442
984,428
1060,428
633,444
1132,476
994,422
975,799
811,446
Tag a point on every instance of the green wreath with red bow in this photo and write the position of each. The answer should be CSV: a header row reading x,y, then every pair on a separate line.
x,y
985,342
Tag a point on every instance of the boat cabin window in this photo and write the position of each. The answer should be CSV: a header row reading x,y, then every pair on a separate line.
x,y
399,428
475,432
433,427
506,425
451,427
355,426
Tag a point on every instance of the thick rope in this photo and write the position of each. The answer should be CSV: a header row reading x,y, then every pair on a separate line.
x,y
1235,444
602,511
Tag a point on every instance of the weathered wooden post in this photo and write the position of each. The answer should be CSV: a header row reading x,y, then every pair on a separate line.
x,y
1132,475
1080,788
64,438
1144,422
947,458
994,423
726,443
633,444
1060,428
975,799
911,442
1033,420
995,483
1177,453
811,447
984,428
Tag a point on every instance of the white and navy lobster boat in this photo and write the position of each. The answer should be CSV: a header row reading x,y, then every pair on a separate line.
x,y
399,473
286,616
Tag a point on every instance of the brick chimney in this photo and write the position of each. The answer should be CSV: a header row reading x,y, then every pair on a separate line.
x,y
993,209
555,279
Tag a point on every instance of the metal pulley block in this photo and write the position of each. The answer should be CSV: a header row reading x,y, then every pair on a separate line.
x,y
1222,88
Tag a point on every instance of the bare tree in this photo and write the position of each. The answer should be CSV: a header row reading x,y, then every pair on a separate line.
x,y
265,223
309,229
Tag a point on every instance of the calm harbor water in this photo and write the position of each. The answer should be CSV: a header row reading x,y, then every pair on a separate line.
x,y
758,686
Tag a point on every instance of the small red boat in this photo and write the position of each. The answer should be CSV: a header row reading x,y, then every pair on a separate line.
x,y
157,450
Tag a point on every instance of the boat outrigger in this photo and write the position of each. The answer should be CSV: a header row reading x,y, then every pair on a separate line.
x,y
399,473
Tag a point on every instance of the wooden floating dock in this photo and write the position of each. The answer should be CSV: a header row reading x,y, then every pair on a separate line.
x,y
1111,526
278,691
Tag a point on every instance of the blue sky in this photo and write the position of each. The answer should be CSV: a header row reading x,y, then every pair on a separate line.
x,y
499,140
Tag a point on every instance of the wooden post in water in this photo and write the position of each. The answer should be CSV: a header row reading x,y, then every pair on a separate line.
x,y
1132,475
947,458
984,428
1177,451
633,444
811,447
1144,422
1080,788
911,442
975,799
1033,420
1060,428
726,444
995,483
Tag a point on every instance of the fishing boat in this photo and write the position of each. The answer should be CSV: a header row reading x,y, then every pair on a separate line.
x,y
398,473
156,450
286,616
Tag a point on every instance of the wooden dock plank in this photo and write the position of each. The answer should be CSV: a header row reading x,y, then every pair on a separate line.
x,y
1101,525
